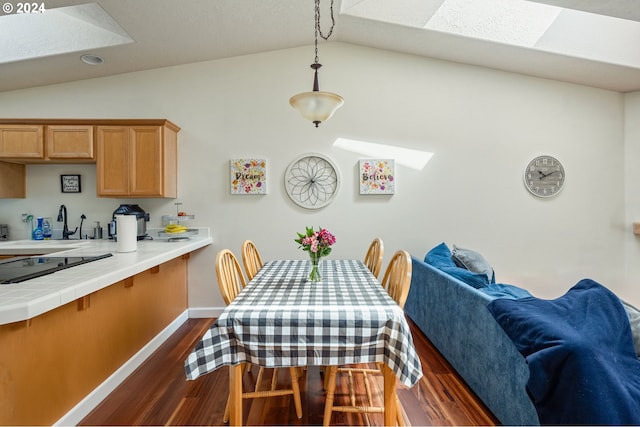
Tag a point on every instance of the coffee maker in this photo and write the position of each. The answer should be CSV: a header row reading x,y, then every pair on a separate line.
x,y
141,218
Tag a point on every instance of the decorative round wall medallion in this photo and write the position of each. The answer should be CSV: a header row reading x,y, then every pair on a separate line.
x,y
312,181
544,176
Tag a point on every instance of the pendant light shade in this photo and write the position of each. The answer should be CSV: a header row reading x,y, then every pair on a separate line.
x,y
316,106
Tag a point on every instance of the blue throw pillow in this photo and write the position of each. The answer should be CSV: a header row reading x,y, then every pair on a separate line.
x,y
440,258
472,261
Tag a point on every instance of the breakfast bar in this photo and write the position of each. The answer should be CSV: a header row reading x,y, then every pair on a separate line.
x,y
63,334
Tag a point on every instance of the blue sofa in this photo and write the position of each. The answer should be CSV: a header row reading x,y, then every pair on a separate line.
x,y
455,318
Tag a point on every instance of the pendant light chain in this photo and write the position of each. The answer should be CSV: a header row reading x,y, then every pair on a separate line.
x,y
318,31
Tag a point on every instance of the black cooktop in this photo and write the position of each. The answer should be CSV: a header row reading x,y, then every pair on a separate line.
x,y
19,270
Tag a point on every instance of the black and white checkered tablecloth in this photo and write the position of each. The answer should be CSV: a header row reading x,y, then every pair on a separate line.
x,y
280,319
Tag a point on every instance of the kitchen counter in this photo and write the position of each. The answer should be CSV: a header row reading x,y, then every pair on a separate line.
x,y
28,299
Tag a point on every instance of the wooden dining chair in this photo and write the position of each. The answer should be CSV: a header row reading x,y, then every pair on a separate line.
x,y
396,280
373,257
251,259
230,277
231,281
397,277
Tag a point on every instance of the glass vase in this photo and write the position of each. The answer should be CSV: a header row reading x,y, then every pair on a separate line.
x,y
315,271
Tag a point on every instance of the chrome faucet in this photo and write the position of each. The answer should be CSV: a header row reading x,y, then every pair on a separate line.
x,y
62,217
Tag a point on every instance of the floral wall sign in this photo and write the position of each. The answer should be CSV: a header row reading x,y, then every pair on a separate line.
x,y
248,176
377,176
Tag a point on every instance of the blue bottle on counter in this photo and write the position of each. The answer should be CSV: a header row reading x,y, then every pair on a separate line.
x,y
38,234
46,228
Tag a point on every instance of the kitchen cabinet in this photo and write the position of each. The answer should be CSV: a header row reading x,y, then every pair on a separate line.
x,y
21,141
13,181
137,160
69,142
134,157
32,143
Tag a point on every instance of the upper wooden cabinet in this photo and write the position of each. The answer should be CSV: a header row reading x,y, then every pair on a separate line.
x,y
134,157
137,160
69,142
21,142
27,143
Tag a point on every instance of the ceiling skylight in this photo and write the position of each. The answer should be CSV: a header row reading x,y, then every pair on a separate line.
x,y
516,22
58,31
532,24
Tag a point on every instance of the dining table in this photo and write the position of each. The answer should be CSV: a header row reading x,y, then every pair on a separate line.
x,y
281,319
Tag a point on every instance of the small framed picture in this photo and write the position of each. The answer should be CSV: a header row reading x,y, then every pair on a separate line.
x,y
377,176
70,183
248,176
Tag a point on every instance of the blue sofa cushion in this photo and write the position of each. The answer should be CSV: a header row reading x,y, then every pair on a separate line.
x,y
502,290
472,261
440,258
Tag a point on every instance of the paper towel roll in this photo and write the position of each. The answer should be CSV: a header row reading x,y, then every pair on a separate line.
x,y
127,233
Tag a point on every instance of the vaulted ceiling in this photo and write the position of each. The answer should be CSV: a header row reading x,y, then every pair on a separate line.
x,y
589,42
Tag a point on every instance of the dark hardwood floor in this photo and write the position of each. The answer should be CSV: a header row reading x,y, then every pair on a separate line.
x,y
157,393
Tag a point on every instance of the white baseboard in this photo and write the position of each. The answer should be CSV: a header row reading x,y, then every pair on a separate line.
x,y
205,312
86,405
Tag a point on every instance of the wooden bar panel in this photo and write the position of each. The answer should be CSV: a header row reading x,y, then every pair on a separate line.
x,y
49,364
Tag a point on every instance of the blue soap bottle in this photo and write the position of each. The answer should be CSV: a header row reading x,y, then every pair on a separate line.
x,y
46,228
38,234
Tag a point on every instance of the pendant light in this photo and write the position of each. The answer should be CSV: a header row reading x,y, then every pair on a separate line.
x,y
317,106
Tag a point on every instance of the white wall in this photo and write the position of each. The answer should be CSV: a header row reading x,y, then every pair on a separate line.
x,y
632,192
483,126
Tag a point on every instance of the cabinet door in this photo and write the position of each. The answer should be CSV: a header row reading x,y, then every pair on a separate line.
x,y
21,142
147,161
113,163
69,142
13,181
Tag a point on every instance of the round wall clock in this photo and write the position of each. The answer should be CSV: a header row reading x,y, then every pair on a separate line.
x,y
312,181
544,176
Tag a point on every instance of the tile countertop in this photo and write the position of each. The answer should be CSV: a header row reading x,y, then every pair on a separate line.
x,y
28,299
